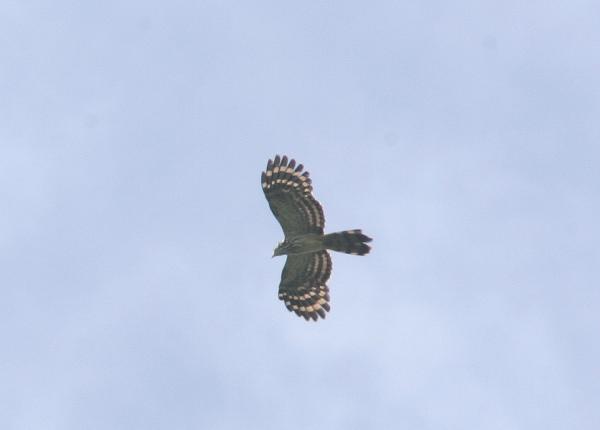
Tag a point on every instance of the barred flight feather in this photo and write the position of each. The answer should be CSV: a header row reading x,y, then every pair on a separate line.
x,y
289,193
304,292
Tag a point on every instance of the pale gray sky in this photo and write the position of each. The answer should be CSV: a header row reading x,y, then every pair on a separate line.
x,y
135,243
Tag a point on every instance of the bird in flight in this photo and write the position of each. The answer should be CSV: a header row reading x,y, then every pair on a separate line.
x,y
303,288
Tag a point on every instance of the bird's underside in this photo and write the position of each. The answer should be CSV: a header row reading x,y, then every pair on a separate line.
x,y
303,288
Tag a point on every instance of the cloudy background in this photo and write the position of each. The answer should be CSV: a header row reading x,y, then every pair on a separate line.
x,y
138,289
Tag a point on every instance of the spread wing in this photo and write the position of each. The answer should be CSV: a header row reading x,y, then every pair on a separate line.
x,y
302,287
288,191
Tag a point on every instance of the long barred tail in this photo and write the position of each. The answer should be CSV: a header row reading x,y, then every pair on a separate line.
x,y
349,241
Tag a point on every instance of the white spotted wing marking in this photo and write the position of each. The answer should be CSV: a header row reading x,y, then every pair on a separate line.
x,y
308,296
286,183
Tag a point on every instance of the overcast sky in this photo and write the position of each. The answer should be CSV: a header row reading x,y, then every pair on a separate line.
x,y
138,288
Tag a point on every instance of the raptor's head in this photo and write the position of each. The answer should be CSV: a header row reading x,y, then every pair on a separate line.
x,y
280,249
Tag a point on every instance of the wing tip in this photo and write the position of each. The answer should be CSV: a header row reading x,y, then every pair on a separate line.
x,y
310,303
282,173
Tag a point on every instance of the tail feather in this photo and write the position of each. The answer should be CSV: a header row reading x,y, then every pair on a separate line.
x,y
349,241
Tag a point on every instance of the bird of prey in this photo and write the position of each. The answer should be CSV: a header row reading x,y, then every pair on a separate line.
x,y
303,288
